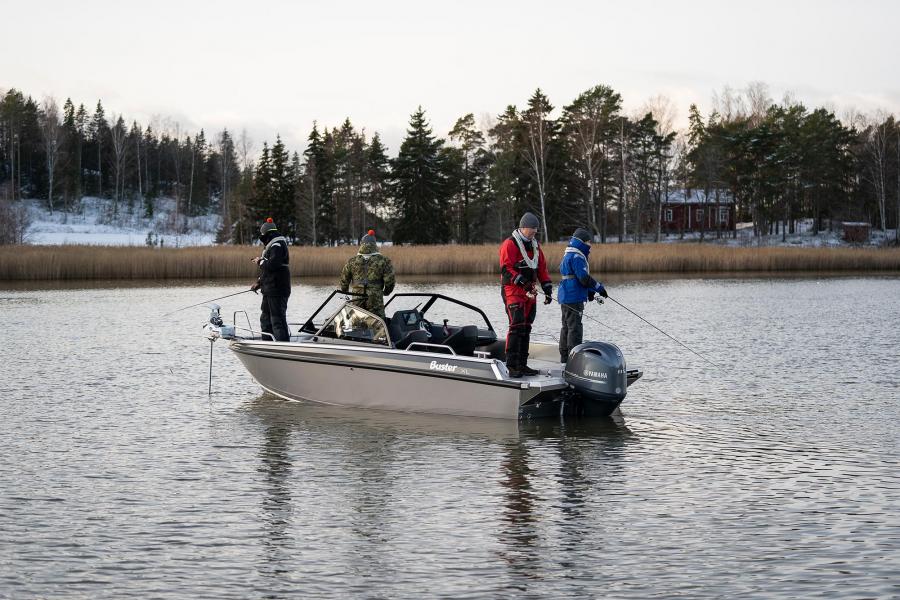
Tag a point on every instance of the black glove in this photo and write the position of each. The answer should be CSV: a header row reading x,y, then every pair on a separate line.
x,y
591,296
602,290
255,287
548,292
520,281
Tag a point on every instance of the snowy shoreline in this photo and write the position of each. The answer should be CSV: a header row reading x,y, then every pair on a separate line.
x,y
95,223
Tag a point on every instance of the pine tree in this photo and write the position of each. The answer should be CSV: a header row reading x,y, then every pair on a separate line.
x,y
509,173
98,133
469,173
282,191
310,210
378,173
589,129
420,186
72,149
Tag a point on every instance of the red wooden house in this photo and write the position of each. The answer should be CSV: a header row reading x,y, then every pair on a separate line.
x,y
693,210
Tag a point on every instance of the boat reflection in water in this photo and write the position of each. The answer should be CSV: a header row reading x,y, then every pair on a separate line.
x,y
371,485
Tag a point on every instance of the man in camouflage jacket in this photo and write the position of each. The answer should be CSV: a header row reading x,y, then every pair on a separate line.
x,y
369,273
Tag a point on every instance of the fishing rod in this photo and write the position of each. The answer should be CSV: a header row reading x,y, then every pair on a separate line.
x,y
207,302
662,332
576,311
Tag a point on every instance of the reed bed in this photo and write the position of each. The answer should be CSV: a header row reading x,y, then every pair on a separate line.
x,y
96,262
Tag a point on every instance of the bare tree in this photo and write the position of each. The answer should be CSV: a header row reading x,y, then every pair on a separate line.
x,y
876,151
538,131
51,132
118,136
729,104
14,222
623,191
758,101
664,113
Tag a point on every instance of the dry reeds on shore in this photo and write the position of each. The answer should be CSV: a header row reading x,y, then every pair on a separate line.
x,y
104,262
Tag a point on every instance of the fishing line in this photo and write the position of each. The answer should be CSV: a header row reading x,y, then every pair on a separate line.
x,y
663,332
206,302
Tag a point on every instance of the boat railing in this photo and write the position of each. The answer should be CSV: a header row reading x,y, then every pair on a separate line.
x,y
262,334
427,345
244,312
249,327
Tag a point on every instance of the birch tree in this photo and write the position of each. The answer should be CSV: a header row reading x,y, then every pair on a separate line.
x,y
876,152
538,129
118,138
51,132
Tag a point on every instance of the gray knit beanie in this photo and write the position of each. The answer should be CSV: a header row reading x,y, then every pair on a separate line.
x,y
530,221
266,227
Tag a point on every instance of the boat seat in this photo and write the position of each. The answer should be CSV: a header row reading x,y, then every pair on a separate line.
x,y
463,340
415,336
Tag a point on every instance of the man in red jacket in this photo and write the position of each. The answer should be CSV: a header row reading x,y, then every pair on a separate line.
x,y
522,269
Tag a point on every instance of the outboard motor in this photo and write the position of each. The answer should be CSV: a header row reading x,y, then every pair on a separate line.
x,y
596,370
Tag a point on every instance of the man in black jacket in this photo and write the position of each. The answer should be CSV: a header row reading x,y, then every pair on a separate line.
x,y
274,281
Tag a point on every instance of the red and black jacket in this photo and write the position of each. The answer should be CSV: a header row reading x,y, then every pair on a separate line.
x,y
512,264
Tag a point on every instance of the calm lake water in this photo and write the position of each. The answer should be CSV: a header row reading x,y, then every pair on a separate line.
x,y
776,475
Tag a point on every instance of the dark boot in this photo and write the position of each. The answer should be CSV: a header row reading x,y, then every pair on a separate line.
x,y
512,364
525,369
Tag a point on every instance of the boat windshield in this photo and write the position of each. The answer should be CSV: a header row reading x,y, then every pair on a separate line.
x,y
356,325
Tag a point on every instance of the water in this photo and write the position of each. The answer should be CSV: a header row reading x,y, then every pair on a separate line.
x,y
776,475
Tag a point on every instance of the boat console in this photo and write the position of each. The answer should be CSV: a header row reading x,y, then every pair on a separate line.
x,y
407,328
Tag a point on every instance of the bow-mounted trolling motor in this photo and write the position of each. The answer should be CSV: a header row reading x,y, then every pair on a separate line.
x,y
215,328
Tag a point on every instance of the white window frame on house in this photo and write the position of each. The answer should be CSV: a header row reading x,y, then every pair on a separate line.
x,y
723,214
668,215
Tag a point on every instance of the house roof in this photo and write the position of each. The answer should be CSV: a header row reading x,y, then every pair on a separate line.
x,y
682,196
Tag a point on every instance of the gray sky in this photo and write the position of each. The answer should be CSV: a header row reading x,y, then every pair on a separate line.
x,y
275,66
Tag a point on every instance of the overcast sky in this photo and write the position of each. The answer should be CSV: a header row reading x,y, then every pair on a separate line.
x,y
276,66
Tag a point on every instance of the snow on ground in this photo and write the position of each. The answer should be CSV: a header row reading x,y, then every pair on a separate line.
x,y
95,222
803,237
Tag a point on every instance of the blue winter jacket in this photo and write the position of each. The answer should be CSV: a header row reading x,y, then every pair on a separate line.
x,y
576,282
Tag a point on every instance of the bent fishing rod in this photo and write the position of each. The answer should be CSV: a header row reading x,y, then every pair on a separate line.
x,y
207,302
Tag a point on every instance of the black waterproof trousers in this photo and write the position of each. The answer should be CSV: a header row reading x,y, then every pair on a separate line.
x,y
521,315
273,318
572,330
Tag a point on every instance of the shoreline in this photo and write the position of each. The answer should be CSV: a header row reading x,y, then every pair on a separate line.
x,y
24,285
128,263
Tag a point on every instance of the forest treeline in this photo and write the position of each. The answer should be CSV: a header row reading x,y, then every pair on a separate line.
x,y
587,163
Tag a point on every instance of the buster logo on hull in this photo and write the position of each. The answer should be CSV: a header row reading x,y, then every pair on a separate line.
x,y
436,366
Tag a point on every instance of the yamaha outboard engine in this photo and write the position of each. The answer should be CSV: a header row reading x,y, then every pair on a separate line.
x,y
596,371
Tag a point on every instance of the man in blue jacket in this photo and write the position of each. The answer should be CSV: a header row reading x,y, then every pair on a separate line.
x,y
576,288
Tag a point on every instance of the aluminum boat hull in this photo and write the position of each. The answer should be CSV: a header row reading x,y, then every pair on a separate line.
x,y
364,376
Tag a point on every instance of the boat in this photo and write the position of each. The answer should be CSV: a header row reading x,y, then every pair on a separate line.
x,y
417,362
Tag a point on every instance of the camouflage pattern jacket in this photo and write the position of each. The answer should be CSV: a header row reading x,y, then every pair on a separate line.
x,y
369,273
